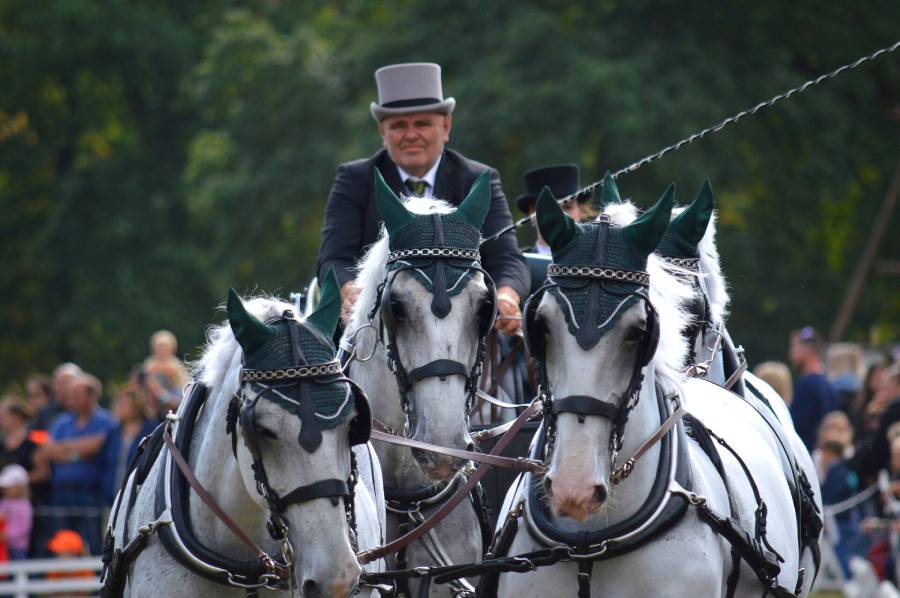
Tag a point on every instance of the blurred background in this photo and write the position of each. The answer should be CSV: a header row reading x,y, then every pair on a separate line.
x,y
152,154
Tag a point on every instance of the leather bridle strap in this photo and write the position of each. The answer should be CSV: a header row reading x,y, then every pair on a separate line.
x,y
516,464
367,556
584,405
625,470
333,489
270,563
736,375
439,368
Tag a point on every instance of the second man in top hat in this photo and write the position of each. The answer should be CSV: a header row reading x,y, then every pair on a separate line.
x,y
563,180
414,121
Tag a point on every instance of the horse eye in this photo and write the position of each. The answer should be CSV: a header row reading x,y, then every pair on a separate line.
x,y
634,334
398,310
267,433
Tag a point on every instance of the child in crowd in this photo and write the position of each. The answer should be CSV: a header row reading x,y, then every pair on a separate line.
x,y
15,510
839,482
163,374
67,544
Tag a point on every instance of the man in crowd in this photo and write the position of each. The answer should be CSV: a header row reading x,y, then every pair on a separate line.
x,y
814,396
563,180
76,438
414,121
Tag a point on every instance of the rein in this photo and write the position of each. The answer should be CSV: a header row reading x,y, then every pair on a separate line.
x,y
620,473
385,434
368,556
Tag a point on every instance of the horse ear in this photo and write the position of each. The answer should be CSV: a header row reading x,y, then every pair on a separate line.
x,y
475,206
325,318
610,193
392,211
554,224
648,229
691,224
249,332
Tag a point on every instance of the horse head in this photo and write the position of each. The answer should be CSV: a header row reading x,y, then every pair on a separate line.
x,y
433,307
594,329
292,423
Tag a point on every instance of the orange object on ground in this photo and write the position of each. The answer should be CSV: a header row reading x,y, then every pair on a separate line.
x,y
65,542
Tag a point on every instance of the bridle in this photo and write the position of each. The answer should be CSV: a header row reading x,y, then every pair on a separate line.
x,y
241,412
585,405
384,307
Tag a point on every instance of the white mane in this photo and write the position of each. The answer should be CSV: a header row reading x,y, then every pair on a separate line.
x,y
669,295
220,363
711,268
373,266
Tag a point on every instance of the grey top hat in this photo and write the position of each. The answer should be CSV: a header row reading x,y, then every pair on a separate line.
x,y
408,88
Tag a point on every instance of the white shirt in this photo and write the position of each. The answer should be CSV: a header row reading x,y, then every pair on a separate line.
x,y
428,178
542,249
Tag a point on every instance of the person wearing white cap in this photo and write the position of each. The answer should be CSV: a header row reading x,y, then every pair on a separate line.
x,y
15,510
414,120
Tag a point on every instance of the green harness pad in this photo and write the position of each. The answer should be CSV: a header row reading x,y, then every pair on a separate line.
x,y
332,401
573,294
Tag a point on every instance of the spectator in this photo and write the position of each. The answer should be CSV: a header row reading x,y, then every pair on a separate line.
x,y
15,510
64,376
67,544
76,438
17,446
778,376
135,421
839,483
844,364
163,373
42,402
872,383
813,395
874,454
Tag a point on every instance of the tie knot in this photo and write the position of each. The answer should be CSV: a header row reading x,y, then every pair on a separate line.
x,y
416,187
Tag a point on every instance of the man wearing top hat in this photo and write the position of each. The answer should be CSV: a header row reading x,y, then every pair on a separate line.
x,y
563,180
414,122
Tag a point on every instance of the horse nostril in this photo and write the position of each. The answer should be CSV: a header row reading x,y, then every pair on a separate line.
x,y
311,589
548,485
600,492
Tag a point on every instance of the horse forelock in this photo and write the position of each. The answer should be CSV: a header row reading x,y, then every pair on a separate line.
x,y
711,267
372,268
220,363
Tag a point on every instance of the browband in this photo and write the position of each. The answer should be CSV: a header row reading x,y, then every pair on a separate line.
x,y
303,371
444,252
632,276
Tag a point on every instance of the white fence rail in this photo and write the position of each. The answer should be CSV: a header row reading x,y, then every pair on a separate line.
x,y
27,577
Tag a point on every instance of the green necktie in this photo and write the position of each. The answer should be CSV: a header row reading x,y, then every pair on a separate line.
x,y
416,187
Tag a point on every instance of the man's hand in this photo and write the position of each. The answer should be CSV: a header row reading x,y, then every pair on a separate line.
x,y
509,318
349,295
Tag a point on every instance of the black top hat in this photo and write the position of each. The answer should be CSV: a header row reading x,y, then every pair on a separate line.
x,y
563,180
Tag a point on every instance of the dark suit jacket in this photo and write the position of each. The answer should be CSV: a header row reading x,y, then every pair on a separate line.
x,y
352,222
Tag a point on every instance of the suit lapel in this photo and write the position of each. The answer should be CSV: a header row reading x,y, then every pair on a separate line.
x,y
389,172
445,186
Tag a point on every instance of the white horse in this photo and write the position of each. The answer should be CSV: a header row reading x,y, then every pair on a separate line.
x,y
608,382
403,304
243,449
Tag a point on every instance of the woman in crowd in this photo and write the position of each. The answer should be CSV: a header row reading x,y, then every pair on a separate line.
x,y
135,421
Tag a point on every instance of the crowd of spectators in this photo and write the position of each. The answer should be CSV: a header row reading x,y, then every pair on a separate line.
x,y
845,403
66,444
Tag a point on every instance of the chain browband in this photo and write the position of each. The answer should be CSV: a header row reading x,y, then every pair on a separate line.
x,y
641,278
443,252
305,371
689,263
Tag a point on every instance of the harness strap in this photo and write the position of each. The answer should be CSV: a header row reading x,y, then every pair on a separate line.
x,y
514,463
584,405
585,569
368,556
210,502
439,368
625,470
333,489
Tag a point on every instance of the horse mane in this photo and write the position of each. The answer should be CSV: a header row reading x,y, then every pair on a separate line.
x,y
372,268
670,294
220,362
711,268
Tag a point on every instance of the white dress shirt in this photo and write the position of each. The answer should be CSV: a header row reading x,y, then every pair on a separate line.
x,y
428,178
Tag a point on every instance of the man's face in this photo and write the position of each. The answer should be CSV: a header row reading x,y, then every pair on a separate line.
x,y
414,141
797,353
81,400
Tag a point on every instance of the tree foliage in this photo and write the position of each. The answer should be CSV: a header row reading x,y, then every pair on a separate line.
x,y
154,153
